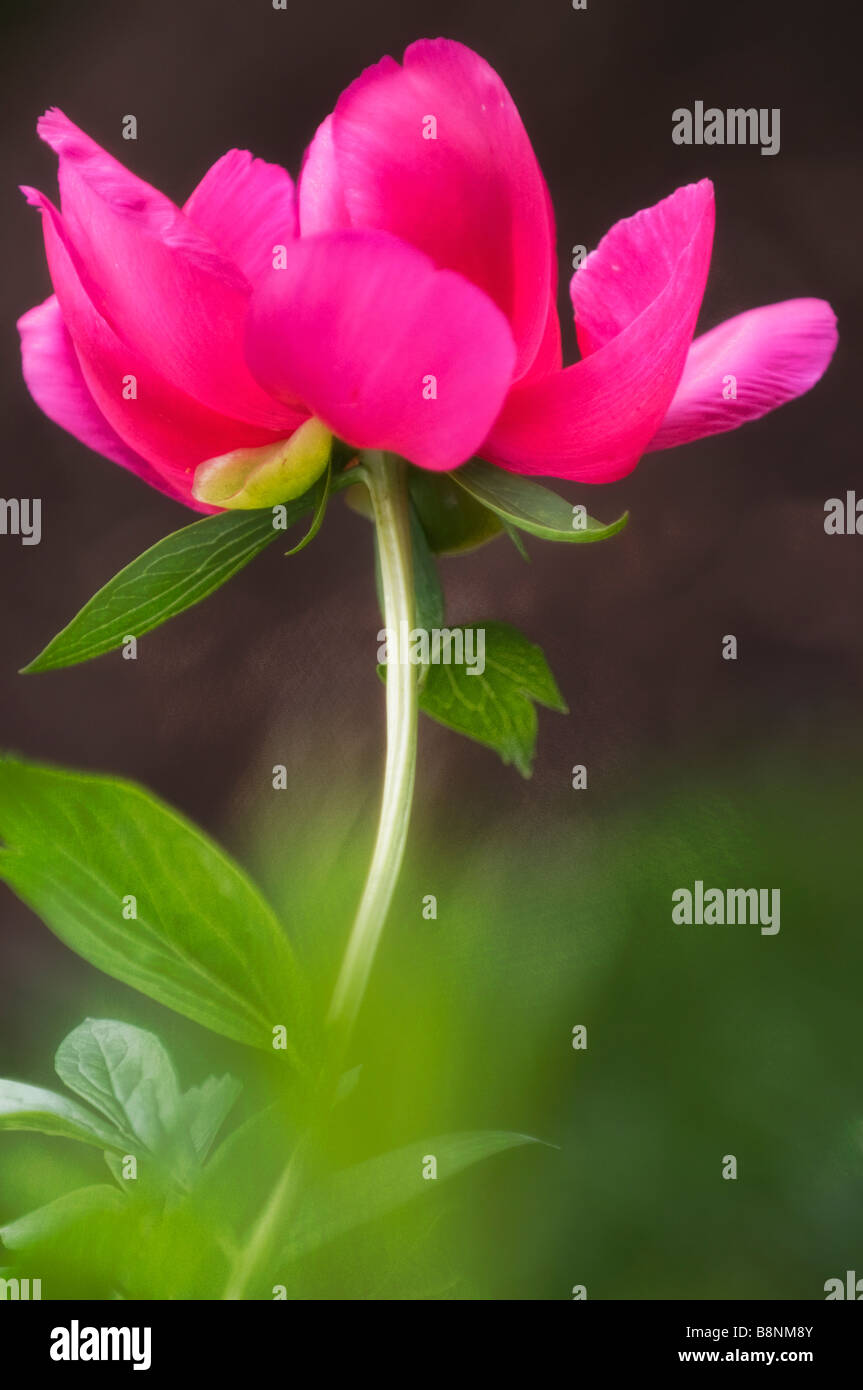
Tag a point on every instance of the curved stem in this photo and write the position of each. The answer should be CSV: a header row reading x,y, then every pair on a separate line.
x,y
386,478
387,483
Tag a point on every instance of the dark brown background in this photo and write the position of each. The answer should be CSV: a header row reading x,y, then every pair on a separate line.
x,y
726,535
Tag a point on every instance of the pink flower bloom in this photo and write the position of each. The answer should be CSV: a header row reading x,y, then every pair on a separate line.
x,y
411,307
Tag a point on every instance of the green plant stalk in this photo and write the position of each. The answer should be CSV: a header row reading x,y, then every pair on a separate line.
x,y
386,479
387,483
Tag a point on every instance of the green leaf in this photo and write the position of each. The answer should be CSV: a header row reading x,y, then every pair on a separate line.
x,y
496,707
204,942
428,594
323,488
177,572
125,1073
171,576
452,520
380,1185
206,1107
530,506
31,1108
347,1084
245,1166
81,1206
515,537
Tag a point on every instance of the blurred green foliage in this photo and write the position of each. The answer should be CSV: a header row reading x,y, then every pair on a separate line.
x,y
703,1041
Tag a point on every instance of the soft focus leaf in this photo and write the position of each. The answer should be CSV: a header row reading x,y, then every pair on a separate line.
x,y
515,537
206,1107
244,1169
495,707
72,1209
530,506
126,1073
347,1084
78,849
25,1107
380,1185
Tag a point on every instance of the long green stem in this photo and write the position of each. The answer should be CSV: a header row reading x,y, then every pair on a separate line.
x,y
387,483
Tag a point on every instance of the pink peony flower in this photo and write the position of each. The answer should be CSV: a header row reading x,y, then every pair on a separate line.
x,y
403,296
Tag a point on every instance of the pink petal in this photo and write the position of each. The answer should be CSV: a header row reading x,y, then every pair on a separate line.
x,y
168,429
473,198
772,354
53,376
320,199
357,325
54,379
632,265
159,281
549,358
593,421
246,207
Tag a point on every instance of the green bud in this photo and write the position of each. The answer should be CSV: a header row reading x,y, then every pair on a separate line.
x,y
266,476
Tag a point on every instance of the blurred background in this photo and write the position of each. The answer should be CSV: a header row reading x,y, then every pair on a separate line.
x,y
554,904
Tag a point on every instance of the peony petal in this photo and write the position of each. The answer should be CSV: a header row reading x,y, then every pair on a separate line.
x,y
748,366
550,355
320,199
247,208
53,377
167,428
632,264
160,282
473,197
593,420
359,323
